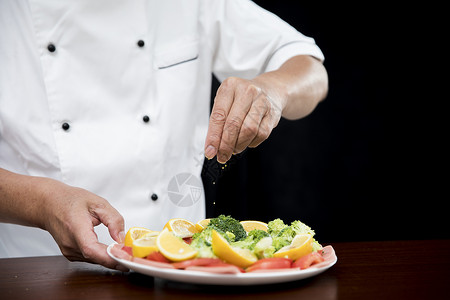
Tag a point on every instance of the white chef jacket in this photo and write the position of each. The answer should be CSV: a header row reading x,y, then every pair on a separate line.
x,y
113,96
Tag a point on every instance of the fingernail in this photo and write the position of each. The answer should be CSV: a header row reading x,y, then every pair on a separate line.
x,y
210,152
222,159
121,237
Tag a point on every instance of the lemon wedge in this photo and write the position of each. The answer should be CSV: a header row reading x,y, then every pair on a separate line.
x,y
145,245
300,246
181,227
233,255
134,233
202,224
250,225
173,247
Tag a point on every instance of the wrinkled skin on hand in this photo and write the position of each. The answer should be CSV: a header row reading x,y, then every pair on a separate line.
x,y
70,215
246,111
243,116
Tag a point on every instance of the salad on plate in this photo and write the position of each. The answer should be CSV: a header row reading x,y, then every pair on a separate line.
x,y
224,245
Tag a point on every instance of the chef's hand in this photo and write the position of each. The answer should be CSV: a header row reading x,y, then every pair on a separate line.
x,y
246,111
72,215
69,214
243,116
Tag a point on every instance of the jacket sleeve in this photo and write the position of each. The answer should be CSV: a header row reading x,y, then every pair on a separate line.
x,y
247,40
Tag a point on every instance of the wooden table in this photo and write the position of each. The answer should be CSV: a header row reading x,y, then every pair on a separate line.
x,y
365,270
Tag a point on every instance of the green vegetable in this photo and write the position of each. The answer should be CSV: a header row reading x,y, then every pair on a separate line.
x,y
302,228
275,226
202,243
252,238
316,246
264,248
230,236
287,233
246,243
228,224
258,234
263,244
284,238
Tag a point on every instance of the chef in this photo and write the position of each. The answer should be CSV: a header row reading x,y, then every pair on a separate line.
x,y
104,111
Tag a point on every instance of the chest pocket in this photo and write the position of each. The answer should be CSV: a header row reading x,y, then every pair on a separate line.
x,y
177,54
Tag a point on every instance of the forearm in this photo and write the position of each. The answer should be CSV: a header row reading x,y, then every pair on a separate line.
x,y
21,199
296,87
68,213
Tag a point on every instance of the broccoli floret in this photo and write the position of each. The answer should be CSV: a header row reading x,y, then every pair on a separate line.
x,y
252,238
230,236
196,235
264,248
201,242
302,228
246,243
275,226
257,234
287,233
279,242
228,224
284,238
203,247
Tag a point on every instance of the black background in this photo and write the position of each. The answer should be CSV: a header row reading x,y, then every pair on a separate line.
x,y
369,163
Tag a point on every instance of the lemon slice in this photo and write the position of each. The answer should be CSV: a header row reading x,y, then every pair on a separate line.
x,y
181,227
134,233
233,255
145,245
250,225
202,224
300,246
173,247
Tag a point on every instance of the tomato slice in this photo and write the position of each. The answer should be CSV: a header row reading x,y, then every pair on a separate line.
x,y
157,256
128,250
197,262
188,240
308,260
270,263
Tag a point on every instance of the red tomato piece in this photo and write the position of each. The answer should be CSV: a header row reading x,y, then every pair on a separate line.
x,y
308,260
188,240
197,262
128,250
270,263
157,256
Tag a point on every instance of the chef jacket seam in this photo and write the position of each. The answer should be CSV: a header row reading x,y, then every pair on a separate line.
x,y
41,53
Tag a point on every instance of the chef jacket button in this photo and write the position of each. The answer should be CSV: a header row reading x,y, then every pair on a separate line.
x,y
141,43
51,48
154,197
65,126
146,119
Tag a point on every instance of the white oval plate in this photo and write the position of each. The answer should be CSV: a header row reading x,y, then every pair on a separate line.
x,y
200,277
